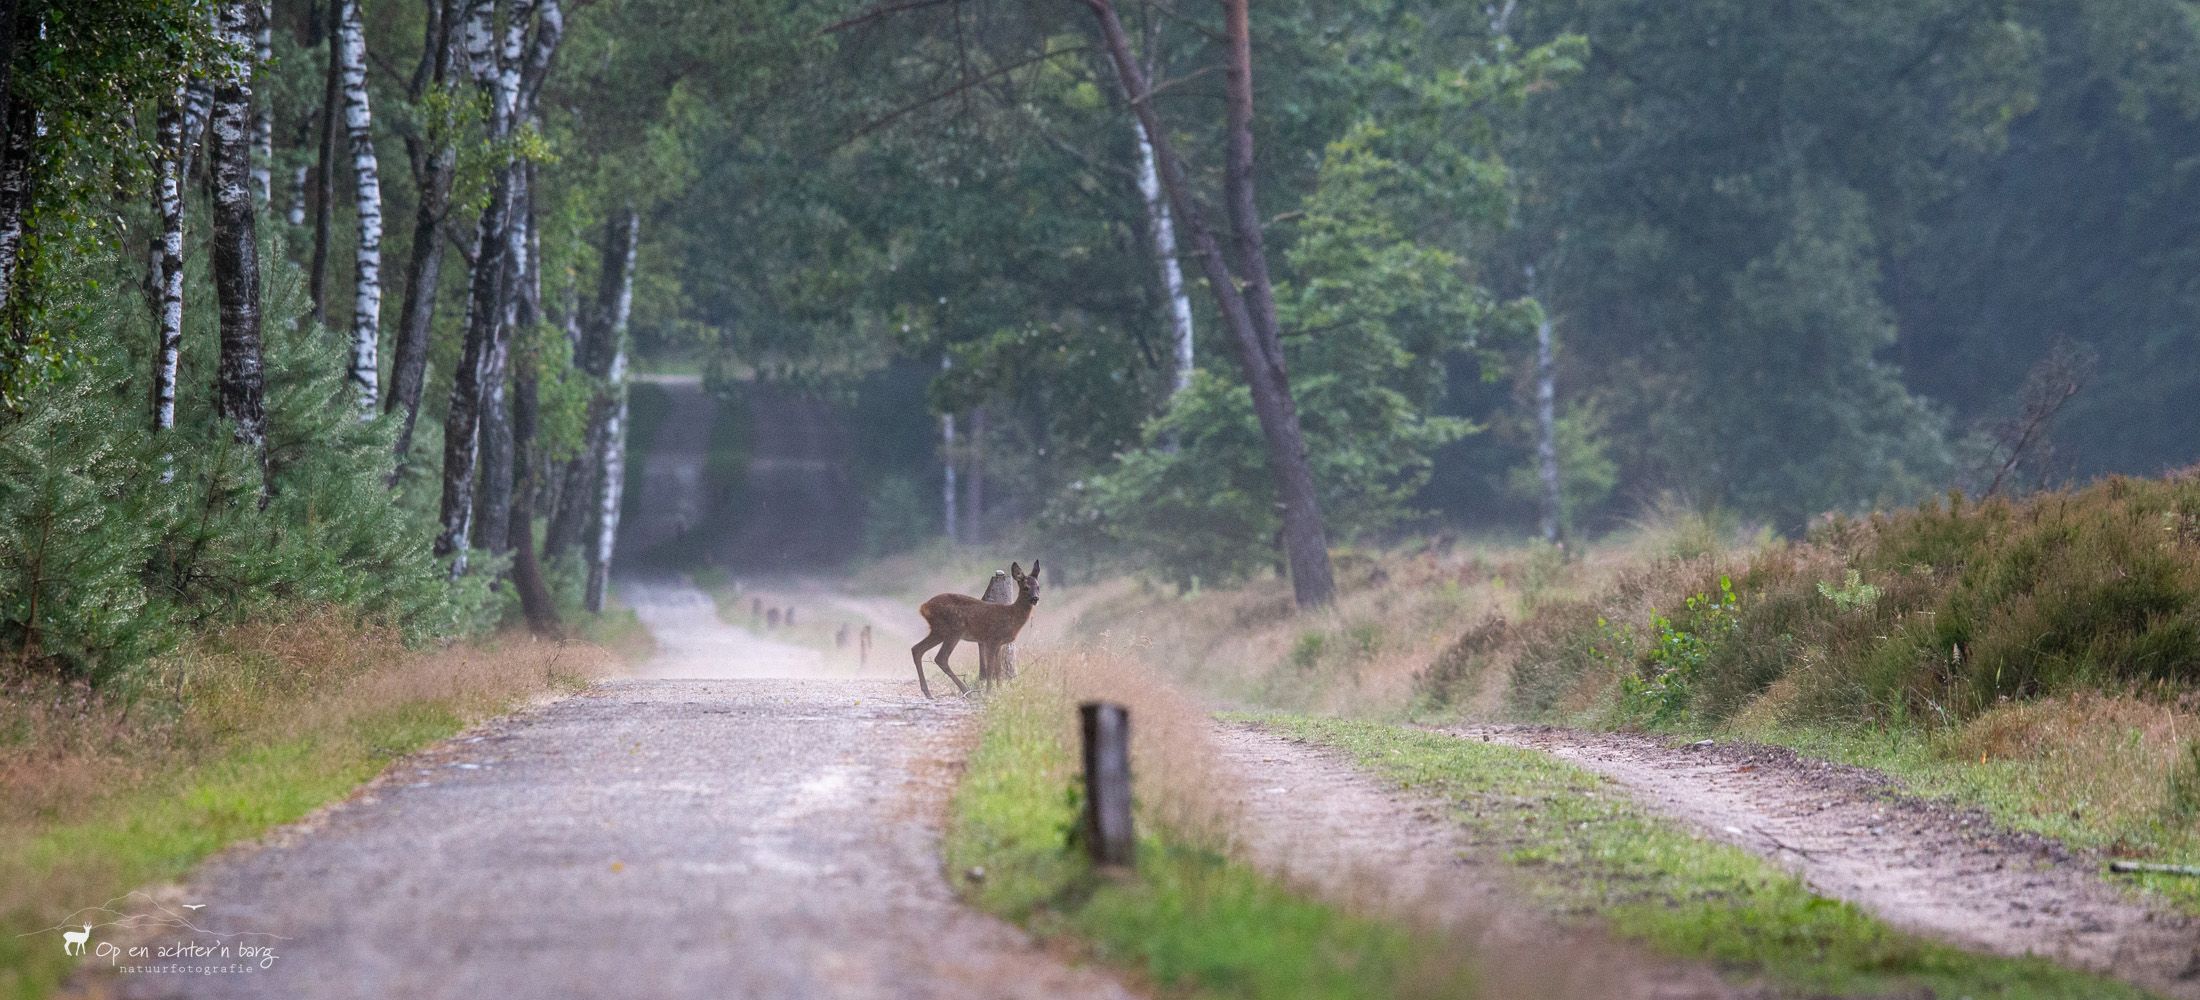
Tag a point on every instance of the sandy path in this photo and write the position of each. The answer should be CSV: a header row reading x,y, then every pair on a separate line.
x,y
1314,817
666,838
1919,865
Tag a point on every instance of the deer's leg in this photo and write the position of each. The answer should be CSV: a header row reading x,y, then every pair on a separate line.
x,y
916,653
985,666
947,649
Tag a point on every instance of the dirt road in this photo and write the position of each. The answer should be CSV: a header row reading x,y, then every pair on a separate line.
x,y
733,836
1315,818
1948,873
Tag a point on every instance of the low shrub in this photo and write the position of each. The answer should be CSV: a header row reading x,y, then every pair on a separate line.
x,y
1938,612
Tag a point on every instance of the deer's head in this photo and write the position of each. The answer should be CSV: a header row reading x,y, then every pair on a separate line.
x,y
1027,586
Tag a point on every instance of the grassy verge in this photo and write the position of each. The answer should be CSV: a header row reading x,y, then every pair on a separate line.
x,y
1580,847
2087,772
1191,922
237,734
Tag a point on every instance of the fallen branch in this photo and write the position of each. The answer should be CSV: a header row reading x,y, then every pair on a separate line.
x,y
2148,868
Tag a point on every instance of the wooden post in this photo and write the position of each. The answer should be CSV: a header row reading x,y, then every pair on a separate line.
x,y
1107,783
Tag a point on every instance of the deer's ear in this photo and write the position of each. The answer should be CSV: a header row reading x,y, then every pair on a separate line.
x,y
1035,569
1016,570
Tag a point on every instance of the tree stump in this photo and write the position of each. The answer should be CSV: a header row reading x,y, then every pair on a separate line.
x,y
999,590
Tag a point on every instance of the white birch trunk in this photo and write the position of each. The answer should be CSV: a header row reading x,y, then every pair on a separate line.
x,y
296,213
1163,228
168,270
1546,424
263,116
611,485
947,459
366,312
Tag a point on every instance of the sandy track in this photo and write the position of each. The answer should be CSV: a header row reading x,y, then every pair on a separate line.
x,y
1920,865
1312,816
665,838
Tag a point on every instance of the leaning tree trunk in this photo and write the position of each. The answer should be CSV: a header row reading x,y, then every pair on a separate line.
x,y
534,595
521,70
168,266
434,165
1249,314
241,398
484,307
1161,226
578,502
366,311
493,493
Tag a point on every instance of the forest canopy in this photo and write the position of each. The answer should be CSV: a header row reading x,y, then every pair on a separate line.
x,y
1526,266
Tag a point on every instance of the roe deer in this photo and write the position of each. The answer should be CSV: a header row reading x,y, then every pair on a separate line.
x,y
955,617
72,942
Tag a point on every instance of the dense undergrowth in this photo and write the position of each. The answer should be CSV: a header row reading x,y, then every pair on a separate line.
x,y
236,731
118,543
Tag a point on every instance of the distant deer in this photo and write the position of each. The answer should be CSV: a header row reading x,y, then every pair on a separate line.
x,y
72,942
955,617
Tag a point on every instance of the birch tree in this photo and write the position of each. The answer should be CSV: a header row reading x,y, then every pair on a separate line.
x,y
534,594
608,431
366,313
598,342
1162,228
263,115
510,70
484,293
168,262
241,396
1546,422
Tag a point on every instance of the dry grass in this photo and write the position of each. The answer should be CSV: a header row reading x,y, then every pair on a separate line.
x,y
1399,614
240,730
1172,752
2106,757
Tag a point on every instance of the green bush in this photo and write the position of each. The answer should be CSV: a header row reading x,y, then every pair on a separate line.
x,y
1937,612
115,541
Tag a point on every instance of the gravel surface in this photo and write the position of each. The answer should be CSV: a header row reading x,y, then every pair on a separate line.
x,y
1920,865
651,837
1313,817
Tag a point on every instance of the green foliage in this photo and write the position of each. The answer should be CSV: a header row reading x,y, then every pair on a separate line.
x,y
1588,474
1852,595
88,68
1678,653
114,541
